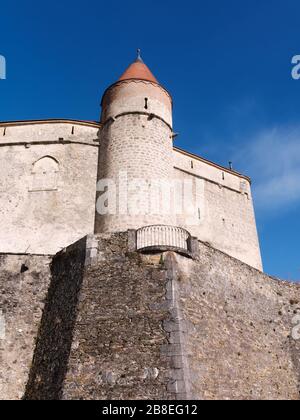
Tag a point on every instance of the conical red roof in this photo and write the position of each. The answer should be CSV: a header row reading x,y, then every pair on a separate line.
x,y
138,70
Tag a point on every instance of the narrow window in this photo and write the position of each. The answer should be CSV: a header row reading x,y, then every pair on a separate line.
x,y
223,176
192,164
24,268
146,103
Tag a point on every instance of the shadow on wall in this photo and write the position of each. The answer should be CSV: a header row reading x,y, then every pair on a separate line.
x,y
98,175
55,335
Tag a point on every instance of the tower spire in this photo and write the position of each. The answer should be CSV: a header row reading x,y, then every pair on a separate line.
x,y
139,56
138,70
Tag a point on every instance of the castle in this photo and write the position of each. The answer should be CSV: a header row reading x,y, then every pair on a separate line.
x,y
131,268
50,169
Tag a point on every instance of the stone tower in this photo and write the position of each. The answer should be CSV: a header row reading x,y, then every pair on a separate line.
x,y
136,150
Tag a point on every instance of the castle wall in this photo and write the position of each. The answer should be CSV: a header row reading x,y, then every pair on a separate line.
x,y
22,296
210,171
51,356
225,217
102,329
241,329
49,170
120,325
48,181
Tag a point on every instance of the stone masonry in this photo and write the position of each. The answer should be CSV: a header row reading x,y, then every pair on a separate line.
x,y
24,281
122,325
136,139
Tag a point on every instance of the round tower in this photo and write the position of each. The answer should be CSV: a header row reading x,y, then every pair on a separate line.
x,y
136,153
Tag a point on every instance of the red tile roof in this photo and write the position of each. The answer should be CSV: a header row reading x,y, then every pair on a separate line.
x,y
138,70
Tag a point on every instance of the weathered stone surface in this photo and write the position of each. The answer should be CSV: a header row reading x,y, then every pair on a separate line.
x,y
226,218
55,336
122,325
100,336
48,176
24,282
239,329
139,149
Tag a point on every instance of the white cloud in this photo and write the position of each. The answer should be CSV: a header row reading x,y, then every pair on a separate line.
x,y
272,159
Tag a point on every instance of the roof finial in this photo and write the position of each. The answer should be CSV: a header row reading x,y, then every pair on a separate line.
x,y
139,57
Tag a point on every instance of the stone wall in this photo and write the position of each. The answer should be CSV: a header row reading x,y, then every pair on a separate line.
x,y
140,148
116,350
51,357
47,185
238,325
102,330
129,96
225,217
24,283
121,325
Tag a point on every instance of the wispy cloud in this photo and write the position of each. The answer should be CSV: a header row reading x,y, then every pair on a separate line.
x,y
272,159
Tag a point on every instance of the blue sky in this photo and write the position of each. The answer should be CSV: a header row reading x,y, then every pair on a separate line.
x,y
227,64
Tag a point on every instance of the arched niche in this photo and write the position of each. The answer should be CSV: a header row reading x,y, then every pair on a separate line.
x,y
45,172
